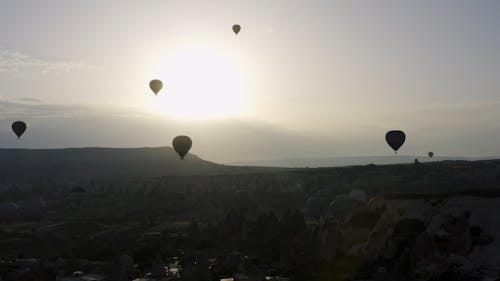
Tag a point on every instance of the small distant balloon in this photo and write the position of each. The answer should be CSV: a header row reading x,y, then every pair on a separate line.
x,y
19,127
182,144
236,29
156,85
395,139
430,154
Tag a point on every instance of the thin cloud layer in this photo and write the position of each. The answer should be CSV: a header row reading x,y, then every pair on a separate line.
x,y
16,62
27,108
66,125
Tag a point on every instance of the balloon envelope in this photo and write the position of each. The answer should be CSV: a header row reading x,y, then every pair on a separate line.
x,y
395,139
236,29
155,85
430,154
182,144
19,127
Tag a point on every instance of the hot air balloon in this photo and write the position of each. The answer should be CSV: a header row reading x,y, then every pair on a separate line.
x,y
395,139
155,85
182,144
236,29
430,154
19,127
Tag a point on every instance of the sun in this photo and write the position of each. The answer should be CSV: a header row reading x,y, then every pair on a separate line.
x,y
199,83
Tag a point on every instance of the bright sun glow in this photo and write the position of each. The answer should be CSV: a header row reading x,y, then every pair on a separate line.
x,y
199,84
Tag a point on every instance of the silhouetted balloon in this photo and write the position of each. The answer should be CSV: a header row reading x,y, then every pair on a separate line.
x,y
395,139
236,29
182,144
156,86
19,127
430,154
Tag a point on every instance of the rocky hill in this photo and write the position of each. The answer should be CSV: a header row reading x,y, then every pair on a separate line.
x,y
27,165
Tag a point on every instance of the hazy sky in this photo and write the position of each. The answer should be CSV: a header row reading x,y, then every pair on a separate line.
x,y
302,79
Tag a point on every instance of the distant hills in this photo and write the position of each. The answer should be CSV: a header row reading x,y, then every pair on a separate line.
x,y
55,165
88,163
344,161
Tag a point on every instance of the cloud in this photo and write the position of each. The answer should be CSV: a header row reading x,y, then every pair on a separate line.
x,y
15,62
28,108
29,100
69,125
270,29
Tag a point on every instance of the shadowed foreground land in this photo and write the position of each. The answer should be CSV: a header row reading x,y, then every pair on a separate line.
x,y
428,221
27,165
